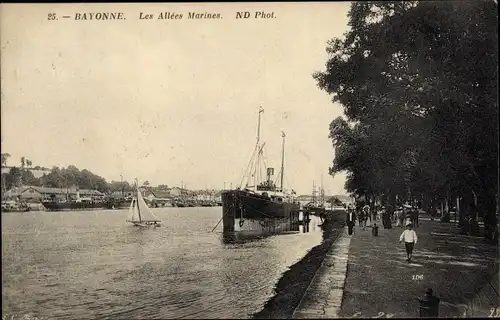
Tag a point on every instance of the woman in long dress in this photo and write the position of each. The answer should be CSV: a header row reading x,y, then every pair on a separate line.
x,y
398,213
402,215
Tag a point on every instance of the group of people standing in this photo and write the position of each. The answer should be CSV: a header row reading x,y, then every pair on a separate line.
x,y
406,216
364,215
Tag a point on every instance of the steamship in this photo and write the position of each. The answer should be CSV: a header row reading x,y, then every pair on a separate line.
x,y
261,207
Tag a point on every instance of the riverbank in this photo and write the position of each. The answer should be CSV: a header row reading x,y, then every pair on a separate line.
x,y
294,282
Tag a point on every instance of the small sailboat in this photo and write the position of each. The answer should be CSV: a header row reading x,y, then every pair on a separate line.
x,y
140,214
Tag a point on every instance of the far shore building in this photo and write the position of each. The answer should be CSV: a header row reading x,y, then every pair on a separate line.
x,y
36,194
218,196
178,192
206,195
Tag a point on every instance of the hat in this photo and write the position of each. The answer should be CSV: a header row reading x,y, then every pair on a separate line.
x,y
428,291
408,224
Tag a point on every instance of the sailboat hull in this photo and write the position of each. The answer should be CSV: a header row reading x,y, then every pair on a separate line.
x,y
254,213
144,224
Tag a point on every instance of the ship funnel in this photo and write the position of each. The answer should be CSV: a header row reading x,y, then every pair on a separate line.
x,y
270,172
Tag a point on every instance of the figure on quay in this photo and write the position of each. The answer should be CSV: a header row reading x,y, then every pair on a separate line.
x,y
350,219
409,236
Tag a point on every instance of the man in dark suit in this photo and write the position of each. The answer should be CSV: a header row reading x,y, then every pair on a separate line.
x,y
350,219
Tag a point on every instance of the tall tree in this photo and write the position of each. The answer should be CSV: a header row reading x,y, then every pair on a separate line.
x,y
5,157
419,114
13,178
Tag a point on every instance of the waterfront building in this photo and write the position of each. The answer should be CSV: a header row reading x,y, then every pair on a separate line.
x,y
37,194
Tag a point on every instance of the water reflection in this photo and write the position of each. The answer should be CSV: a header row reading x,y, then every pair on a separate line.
x,y
246,237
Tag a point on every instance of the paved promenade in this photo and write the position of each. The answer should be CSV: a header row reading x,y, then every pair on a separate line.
x,y
366,276
324,296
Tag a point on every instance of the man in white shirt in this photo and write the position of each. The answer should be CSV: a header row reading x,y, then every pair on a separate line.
x,y
410,238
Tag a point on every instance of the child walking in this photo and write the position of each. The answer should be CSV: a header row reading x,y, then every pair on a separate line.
x,y
410,238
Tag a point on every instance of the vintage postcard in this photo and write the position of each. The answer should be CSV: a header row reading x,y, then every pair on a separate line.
x,y
249,160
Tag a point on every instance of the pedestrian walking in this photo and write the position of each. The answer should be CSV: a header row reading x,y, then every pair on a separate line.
x,y
416,216
413,217
380,213
386,218
401,217
408,217
409,236
361,219
398,215
366,215
351,220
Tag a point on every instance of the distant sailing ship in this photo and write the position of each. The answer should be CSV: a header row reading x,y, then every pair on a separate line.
x,y
140,214
317,205
261,207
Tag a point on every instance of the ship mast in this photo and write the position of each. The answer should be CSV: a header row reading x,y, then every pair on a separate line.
x,y
261,110
322,192
283,135
137,199
314,194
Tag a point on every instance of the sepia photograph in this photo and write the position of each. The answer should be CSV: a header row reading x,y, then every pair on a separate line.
x,y
250,160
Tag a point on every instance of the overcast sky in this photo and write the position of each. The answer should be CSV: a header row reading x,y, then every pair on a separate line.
x,y
170,101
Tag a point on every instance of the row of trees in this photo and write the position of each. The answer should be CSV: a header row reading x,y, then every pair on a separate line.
x,y
418,82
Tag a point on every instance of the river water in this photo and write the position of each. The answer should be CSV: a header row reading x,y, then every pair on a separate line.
x,y
89,264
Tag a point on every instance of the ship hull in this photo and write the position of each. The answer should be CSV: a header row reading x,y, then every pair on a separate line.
x,y
16,210
253,213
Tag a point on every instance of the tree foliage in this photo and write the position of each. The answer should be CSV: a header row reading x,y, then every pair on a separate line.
x,y
5,157
418,82
70,177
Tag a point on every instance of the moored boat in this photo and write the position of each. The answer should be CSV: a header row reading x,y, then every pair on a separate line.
x,y
73,205
80,203
14,206
261,207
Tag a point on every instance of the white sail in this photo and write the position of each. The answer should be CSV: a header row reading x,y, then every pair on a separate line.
x,y
145,213
133,212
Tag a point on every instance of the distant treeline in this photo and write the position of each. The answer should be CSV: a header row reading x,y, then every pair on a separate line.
x,y
63,178
71,177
